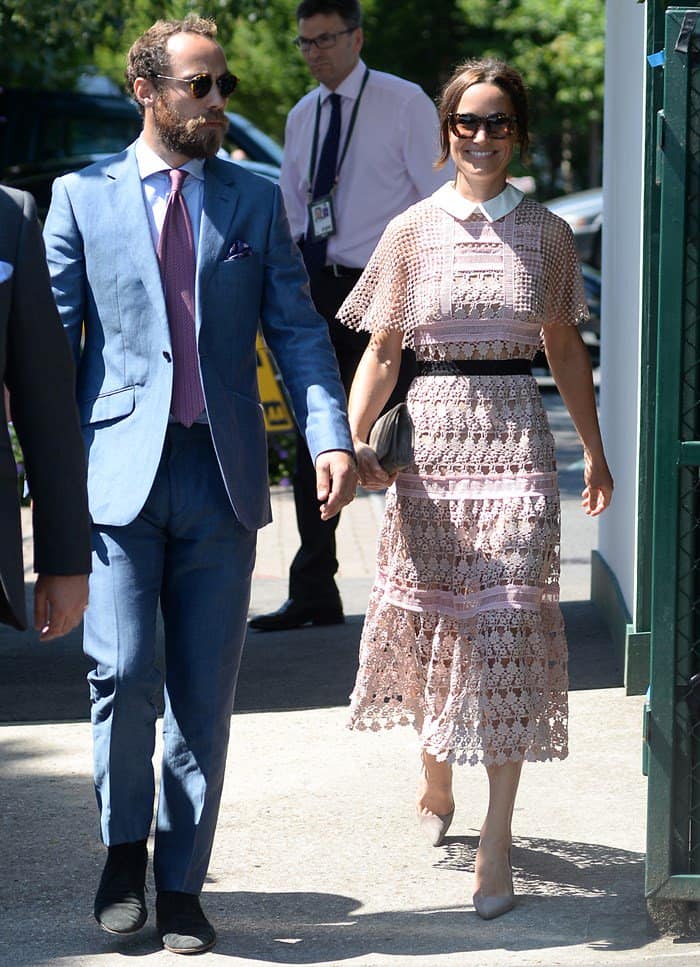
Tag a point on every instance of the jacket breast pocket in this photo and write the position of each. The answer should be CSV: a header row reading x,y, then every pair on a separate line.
x,y
107,406
238,268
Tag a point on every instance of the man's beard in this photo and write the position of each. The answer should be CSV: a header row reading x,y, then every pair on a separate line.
x,y
188,137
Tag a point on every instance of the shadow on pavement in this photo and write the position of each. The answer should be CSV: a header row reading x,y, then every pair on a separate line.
x,y
565,892
304,668
568,894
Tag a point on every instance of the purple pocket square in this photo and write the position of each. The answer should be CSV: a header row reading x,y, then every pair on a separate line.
x,y
239,250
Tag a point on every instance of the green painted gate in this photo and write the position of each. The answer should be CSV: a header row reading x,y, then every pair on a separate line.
x,y
673,717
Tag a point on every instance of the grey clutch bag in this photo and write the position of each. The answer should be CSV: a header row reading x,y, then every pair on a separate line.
x,y
391,439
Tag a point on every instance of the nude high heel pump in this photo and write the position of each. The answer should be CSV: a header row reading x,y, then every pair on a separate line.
x,y
434,826
490,907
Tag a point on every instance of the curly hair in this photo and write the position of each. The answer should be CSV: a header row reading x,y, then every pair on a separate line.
x,y
149,55
482,71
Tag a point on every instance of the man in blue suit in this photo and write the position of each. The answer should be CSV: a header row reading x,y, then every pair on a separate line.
x,y
161,301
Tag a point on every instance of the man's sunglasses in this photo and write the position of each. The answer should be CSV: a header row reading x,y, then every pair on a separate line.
x,y
495,125
201,84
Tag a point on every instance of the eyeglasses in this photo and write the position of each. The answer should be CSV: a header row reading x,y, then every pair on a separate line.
x,y
322,42
495,125
201,84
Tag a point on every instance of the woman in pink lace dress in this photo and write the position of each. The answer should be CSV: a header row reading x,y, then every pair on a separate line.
x,y
463,635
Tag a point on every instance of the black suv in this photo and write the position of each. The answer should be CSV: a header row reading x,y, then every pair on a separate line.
x,y
46,134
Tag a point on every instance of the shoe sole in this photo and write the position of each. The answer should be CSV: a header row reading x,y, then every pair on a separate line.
x,y
186,951
312,622
121,933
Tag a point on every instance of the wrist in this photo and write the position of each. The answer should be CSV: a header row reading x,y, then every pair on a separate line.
x,y
594,452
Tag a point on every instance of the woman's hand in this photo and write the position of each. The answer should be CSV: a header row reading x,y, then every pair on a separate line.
x,y
598,491
571,367
372,477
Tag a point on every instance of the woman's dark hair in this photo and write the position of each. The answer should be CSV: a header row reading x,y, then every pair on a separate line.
x,y
349,11
483,71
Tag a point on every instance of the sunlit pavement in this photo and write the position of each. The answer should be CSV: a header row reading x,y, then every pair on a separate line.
x,y
318,859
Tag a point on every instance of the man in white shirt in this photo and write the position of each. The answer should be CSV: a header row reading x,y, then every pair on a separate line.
x,y
339,198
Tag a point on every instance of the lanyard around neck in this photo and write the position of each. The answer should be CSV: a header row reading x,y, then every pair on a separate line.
x,y
351,128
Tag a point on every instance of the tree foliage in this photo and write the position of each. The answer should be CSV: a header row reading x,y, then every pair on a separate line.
x,y
39,49
557,44
417,40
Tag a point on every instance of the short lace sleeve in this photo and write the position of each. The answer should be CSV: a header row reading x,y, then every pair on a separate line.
x,y
565,301
380,298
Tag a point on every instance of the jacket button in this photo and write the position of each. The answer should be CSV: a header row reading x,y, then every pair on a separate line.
x,y
167,356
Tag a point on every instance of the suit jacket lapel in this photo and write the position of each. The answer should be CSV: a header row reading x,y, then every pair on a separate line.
x,y
221,199
134,230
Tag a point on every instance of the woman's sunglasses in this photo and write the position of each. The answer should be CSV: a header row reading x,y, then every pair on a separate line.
x,y
201,84
495,125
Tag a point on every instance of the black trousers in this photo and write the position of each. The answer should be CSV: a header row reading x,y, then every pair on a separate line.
x,y
311,575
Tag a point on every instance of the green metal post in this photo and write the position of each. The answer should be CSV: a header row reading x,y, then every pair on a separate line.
x,y
674,768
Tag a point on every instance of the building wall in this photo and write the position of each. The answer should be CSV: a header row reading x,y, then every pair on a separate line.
x,y
623,160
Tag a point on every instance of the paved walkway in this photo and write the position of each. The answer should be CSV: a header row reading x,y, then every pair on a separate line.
x,y
317,859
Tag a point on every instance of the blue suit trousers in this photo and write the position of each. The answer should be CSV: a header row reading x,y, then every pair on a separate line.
x,y
187,551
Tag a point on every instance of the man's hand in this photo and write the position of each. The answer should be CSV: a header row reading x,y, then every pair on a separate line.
x,y
336,481
59,603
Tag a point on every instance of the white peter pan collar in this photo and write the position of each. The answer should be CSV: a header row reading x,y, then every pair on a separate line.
x,y
449,199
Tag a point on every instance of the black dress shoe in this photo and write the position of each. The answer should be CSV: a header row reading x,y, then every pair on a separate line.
x,y
181,923
294,614
120,903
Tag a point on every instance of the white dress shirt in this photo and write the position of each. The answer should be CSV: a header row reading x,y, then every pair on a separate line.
x,y
155,182
388,165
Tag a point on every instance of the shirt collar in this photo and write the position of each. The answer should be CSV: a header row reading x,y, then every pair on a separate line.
x,y
149,162
449,199
350,87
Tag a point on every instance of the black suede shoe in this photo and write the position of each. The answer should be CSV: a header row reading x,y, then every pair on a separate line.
x,y
294,614
181,923
120,903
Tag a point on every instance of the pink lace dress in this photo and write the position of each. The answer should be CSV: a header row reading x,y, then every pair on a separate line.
x,y
463,635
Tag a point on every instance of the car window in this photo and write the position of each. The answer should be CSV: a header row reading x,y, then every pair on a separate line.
x,y
50,140
245,141
38,127
84,135
233,148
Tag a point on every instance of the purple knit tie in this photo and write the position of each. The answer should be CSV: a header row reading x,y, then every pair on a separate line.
x,y
177,268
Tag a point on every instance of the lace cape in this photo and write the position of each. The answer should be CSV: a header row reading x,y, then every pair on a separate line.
x,y
470,288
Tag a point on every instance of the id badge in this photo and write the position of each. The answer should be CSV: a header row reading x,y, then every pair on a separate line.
x,y
321,218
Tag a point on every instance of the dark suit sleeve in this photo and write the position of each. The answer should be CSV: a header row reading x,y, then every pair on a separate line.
x,y
298,337
41,378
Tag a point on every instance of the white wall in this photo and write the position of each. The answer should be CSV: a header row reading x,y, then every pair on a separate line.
x,y
625,68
